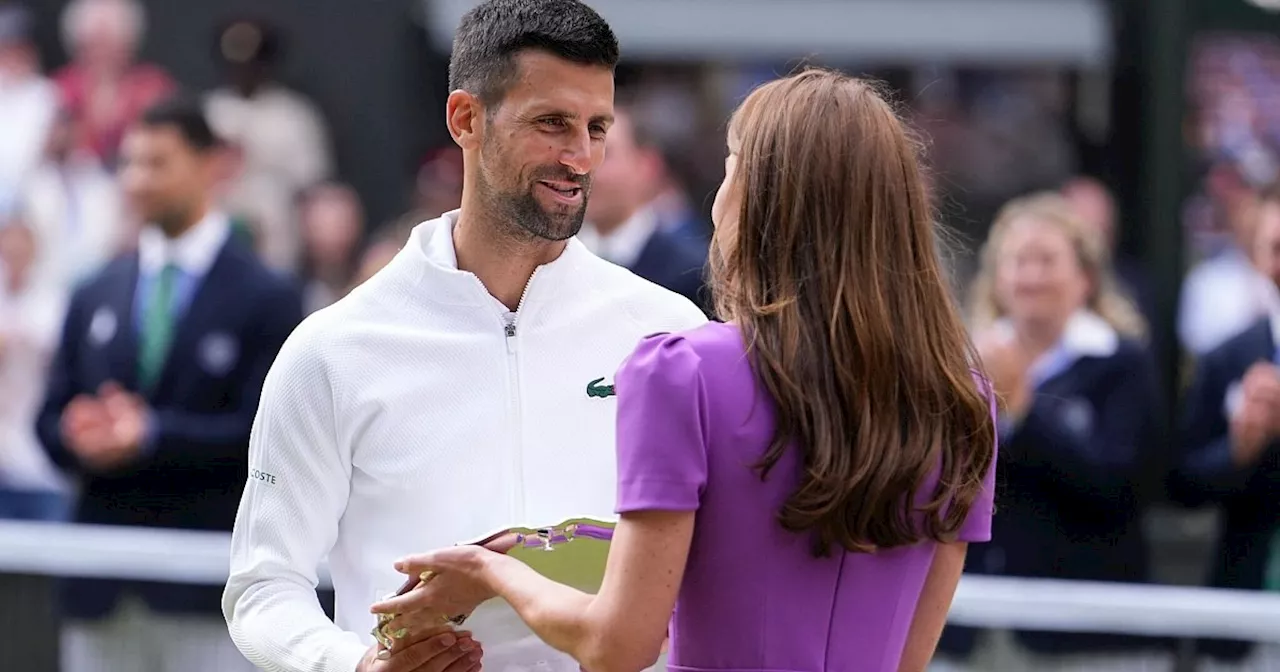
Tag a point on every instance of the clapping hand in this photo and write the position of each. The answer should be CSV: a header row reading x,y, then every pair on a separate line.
x,y
1256,423
107,430
1007,362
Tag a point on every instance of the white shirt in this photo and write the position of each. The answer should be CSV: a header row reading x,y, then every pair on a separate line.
x,y
1221,297
403,418
193,252
624,245
1085,334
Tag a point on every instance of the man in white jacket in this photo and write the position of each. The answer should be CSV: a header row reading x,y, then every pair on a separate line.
x,y
465,387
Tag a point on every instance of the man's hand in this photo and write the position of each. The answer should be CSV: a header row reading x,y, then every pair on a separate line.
x,y
105,431
1262,384
1257,421
128,414
85,427
438,649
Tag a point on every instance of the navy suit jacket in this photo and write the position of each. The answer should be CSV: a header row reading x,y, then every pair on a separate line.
x,y
675,262
203,405
1069,489
1249,496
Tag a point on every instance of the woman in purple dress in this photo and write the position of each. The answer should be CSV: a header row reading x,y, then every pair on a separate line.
x,y
797,485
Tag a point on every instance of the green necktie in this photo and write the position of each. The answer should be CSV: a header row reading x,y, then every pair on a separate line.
x,y
157,327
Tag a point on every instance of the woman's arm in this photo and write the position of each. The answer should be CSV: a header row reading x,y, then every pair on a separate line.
x,y
621,629
662,469
932,608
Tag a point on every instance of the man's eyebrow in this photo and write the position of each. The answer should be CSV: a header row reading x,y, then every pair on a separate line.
x,y
606,119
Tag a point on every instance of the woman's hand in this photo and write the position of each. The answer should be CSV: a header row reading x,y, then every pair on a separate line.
x,y
1007,363
452,587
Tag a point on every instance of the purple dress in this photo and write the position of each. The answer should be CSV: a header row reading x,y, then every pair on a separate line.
x,y
691,419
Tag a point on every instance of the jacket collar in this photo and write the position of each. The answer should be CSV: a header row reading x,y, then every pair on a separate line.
x,y
1086,334
433,263
193,252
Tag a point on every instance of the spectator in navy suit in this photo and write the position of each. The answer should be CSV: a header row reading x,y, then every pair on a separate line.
x,y
152,393
1231,436
622,225
1065,352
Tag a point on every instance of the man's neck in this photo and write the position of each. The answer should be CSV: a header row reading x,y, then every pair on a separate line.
x,y
176,229
502,262
16,282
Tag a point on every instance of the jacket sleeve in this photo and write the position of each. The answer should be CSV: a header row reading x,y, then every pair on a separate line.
x,y
1101,462
60,388
288,519
179,438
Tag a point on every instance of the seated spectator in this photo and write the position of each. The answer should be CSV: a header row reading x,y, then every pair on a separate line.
x,y
28,102
30,320
1065,353
1231,432
279,137
104,87
74,206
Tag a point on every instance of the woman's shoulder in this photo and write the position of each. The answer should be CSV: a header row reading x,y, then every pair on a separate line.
x,y
686,356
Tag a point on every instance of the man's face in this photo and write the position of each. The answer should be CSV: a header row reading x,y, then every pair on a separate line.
x,y
542,143
17,249
1267,241
620,185
163,176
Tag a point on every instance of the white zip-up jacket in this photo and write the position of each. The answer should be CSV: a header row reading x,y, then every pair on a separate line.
x,y
419,412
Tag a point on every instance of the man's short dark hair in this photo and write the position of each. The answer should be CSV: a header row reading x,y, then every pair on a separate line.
x,y
185,114
491,34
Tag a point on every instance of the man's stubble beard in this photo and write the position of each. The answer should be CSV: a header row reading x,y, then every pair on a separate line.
x,y
523,217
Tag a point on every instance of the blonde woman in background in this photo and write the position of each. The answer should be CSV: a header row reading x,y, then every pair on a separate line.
x,y
1066,353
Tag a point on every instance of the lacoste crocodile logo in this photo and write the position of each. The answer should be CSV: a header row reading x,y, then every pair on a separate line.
x,y
596,390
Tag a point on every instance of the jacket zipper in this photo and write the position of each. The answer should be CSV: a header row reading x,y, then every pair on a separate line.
x,y
513,380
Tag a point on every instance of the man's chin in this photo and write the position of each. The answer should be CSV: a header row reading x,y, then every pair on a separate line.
x,y
558,226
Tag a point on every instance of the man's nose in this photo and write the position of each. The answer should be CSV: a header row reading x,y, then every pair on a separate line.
x,y
576,154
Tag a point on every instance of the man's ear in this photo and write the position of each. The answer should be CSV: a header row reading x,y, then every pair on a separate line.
x,y
464,114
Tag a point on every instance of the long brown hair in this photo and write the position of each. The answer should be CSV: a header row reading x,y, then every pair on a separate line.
x,y
832,274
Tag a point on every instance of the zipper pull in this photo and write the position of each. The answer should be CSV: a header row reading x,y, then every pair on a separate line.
x,y
510,325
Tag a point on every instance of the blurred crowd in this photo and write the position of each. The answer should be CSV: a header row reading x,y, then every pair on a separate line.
x,y
1064,319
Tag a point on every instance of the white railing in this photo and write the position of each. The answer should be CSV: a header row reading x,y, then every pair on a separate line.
x,y
995,602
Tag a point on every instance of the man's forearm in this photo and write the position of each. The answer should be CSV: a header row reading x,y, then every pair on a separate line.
x,y
280,627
